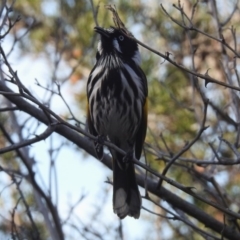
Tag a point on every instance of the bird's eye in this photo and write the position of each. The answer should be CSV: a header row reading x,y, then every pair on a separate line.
x,y
121,37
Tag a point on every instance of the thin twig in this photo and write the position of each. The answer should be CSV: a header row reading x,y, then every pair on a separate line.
x,y
28,142
185,148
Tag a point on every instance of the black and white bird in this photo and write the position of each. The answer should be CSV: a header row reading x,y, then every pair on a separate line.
x,y
117,110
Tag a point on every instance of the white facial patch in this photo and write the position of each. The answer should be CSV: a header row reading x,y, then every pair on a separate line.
x,y
99,47
137,58
116,45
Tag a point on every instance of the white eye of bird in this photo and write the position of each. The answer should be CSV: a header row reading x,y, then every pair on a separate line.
x,y
121,37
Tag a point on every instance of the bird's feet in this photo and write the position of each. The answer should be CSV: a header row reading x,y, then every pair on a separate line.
x,y
99,145
128,157
100,141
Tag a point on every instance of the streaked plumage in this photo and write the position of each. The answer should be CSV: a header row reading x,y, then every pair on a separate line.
x,y
117,109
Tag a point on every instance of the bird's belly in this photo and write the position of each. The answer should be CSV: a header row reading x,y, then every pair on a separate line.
x,y
116,121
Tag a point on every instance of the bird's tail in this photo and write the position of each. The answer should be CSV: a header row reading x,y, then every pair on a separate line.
x,y
126,197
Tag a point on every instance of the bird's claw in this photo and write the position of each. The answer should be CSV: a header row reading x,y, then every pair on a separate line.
x,y
128,157
99,145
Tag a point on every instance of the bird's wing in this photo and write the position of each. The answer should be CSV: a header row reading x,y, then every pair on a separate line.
x,y
92,130
141,133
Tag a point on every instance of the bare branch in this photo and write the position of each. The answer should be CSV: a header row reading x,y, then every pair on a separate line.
x,y
50,129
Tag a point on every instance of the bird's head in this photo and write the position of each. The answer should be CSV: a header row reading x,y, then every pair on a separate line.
x,y
116,41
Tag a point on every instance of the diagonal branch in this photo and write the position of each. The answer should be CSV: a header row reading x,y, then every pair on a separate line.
x,y
50,129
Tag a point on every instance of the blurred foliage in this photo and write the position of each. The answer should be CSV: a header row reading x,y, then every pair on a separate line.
x,y
175,106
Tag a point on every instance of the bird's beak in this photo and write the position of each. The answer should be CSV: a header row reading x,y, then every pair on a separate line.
x,y
101,31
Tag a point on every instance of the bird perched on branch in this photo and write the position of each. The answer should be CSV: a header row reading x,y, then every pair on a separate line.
x,y
117,111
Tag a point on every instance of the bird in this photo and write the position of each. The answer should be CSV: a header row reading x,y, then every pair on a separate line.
x,y
117,93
